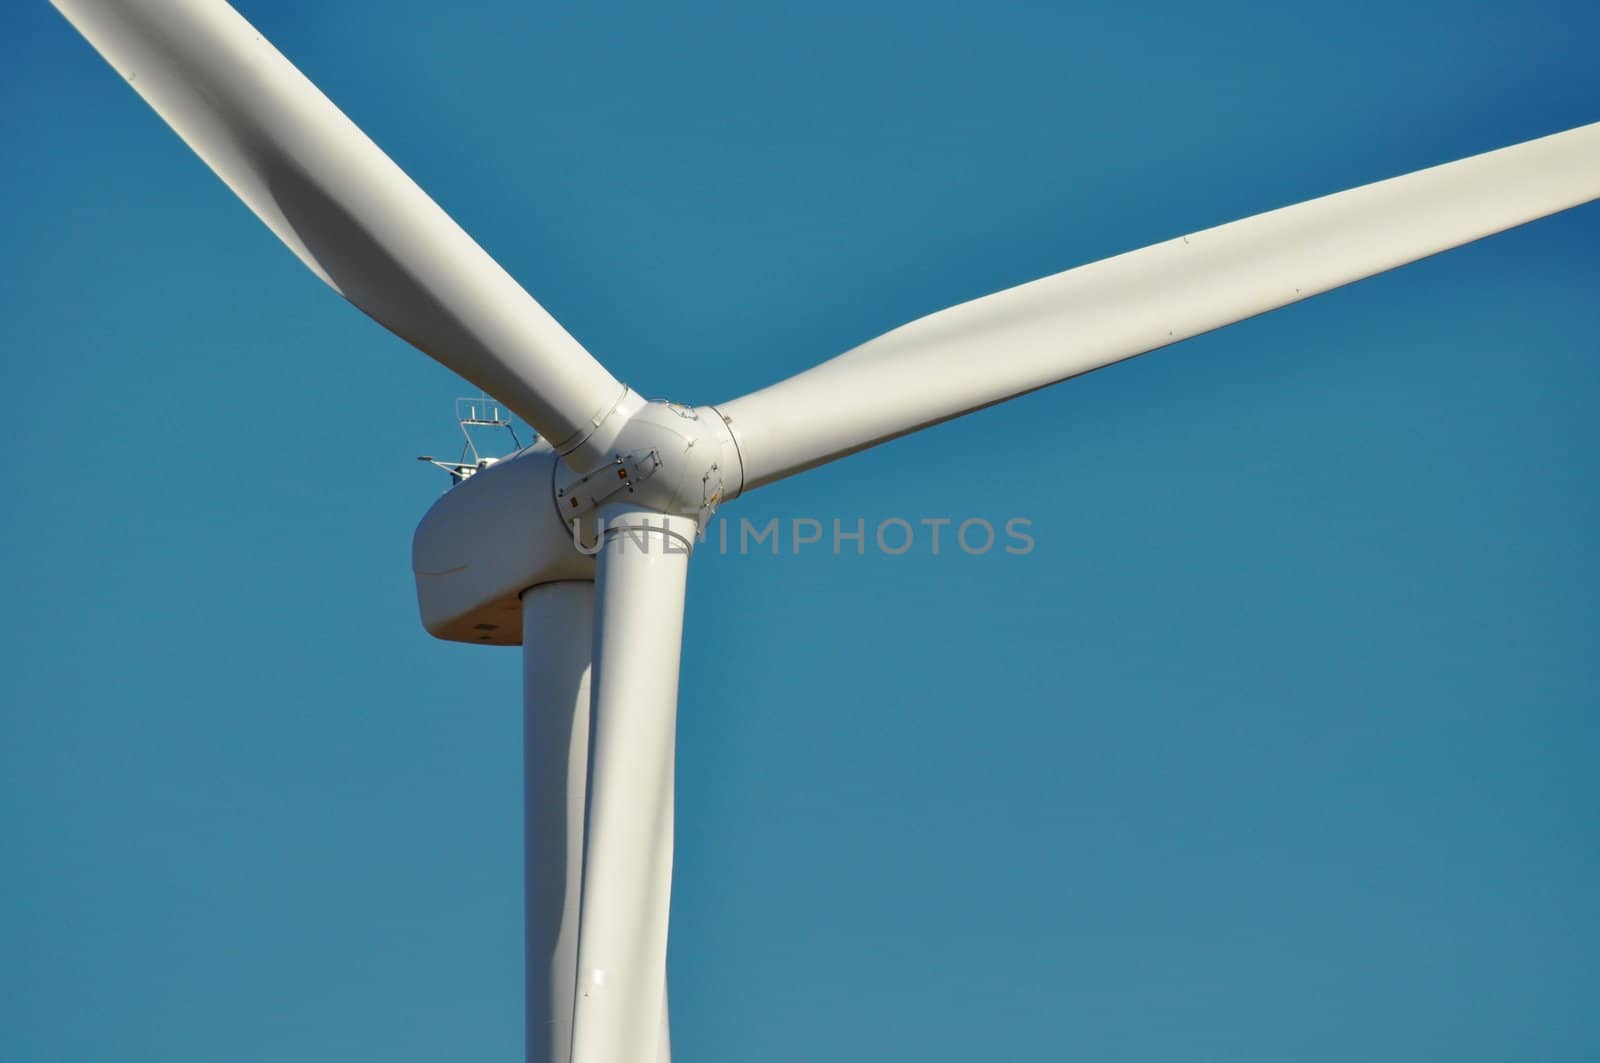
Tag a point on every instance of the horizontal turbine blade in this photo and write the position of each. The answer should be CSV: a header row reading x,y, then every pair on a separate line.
x,y
1004,345
344,208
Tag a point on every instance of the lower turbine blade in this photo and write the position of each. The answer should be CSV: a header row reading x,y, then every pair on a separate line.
x,y
621,997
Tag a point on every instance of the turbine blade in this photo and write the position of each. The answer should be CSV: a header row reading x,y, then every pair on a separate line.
x,y
1015,341
620,1014
350,214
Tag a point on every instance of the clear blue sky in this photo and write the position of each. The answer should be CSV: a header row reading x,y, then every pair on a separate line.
x,y
1280,745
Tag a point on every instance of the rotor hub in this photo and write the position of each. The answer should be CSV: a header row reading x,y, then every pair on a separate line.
x,y
682,461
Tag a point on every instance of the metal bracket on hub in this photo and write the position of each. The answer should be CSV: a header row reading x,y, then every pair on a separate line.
x,y
595,488
669,458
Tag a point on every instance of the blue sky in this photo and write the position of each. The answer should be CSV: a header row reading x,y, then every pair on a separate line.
x,y
1280,744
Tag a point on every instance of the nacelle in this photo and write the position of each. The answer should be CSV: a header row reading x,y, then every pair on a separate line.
x,y
487,540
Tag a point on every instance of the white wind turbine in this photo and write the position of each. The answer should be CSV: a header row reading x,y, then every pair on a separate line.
x,y
495,561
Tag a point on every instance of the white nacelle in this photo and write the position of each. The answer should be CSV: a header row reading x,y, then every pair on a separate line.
x,y
487,540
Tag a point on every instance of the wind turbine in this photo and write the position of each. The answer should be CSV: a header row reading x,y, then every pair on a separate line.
x,y
578,546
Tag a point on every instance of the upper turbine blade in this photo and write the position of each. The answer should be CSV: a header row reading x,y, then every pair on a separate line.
x,y
344,208
1003,345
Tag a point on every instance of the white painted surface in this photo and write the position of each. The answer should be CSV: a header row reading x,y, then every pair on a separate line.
x,y
670,459
627,885
484,542
1003,345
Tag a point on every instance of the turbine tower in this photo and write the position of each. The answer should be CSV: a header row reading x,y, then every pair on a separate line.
x,y
578,547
